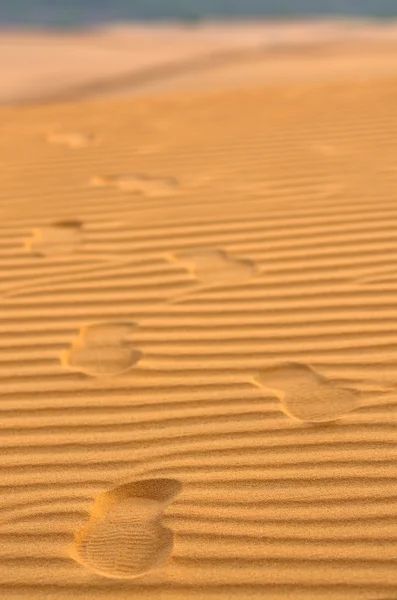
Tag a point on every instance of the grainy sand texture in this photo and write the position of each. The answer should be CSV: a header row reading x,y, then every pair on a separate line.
x,y
198,339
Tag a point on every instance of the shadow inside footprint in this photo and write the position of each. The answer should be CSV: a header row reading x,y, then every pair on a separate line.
x,y
124,537
212,266
102,350
139,184
60,238
306,395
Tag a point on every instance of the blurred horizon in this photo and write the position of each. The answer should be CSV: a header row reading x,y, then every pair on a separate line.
x,y
80,13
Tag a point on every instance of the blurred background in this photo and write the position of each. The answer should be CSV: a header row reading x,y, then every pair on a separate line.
x,y
60,50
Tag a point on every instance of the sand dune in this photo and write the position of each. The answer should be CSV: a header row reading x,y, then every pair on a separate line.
x,y
188,282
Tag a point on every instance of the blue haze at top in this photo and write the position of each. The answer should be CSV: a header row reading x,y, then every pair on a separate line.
x,y
65,13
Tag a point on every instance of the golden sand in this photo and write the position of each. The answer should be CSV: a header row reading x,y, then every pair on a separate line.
x,y
136,59
199,345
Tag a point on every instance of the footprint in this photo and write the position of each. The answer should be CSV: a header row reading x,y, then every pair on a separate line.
x,y
148,149
139,184
308,396
204,180
60,238
105,334
211,266
101,360
102,350
72,139
124,537
328,150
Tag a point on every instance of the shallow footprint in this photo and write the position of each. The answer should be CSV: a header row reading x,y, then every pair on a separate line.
x,y
138,183
101,350
308,396
60,238
212,266
101,360
124,537
328,150
105,334
72,139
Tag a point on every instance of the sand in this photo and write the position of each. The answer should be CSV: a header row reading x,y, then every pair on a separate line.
x,y
141,59
198,344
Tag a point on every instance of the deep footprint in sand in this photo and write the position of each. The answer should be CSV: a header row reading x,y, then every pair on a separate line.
x,y
57,239
124,537
308,396
139,184
72,139
102,350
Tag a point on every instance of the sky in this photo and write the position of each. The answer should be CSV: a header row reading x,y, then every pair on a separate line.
x,y
81,12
